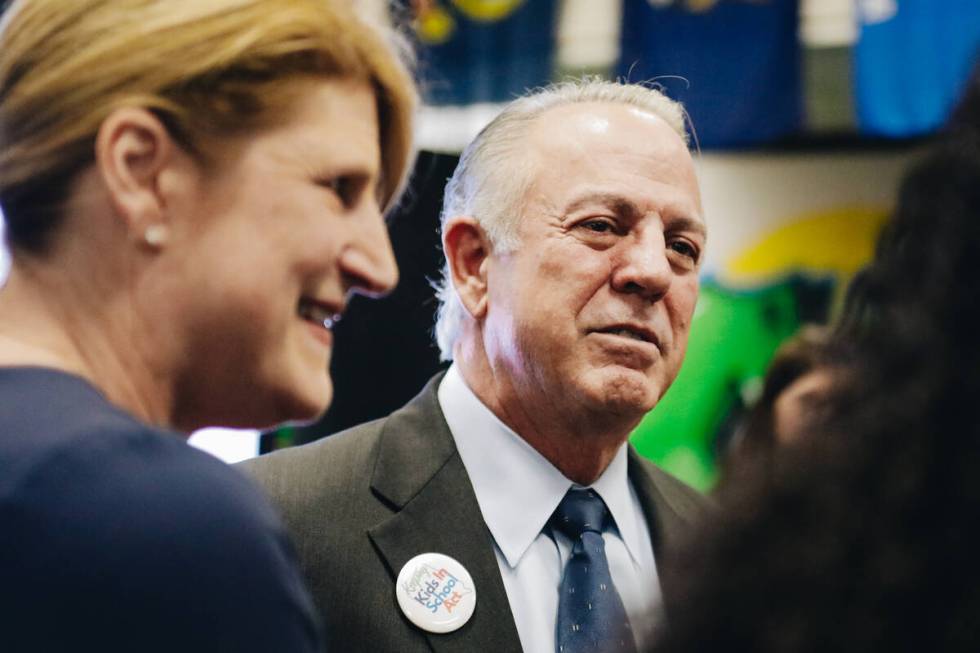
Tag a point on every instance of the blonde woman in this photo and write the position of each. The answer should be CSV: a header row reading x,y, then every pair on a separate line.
x,y
192,190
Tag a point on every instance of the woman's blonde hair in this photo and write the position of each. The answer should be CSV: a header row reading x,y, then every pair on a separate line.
x,y
206,67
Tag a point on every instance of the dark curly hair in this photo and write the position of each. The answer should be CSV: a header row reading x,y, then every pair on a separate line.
x,y
863,536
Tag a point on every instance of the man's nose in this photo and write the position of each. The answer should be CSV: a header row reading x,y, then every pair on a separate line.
x,y
367,262
642,266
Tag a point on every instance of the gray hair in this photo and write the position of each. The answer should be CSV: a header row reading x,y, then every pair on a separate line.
x,y
490,184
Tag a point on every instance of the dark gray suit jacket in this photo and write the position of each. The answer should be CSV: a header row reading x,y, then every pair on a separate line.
x,y
362,503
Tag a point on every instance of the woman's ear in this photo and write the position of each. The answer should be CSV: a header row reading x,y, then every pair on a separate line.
x,y
132,150
467,250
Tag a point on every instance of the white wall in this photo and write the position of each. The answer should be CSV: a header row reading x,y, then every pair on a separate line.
x,y
746,196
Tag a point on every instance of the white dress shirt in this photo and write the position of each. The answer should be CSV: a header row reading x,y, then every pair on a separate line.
x,y
518,490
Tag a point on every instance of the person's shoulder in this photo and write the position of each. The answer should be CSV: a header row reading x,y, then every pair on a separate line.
x,y
110,458
316,462
323,493
353,447
48,414
333,478
147,529
116,485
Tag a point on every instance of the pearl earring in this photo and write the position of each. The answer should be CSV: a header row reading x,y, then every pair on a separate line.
x,y
155,235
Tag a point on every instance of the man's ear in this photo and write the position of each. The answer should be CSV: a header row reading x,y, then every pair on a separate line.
x,y
132,149
467,251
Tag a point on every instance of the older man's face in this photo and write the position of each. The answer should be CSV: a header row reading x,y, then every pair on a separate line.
x,y
594,306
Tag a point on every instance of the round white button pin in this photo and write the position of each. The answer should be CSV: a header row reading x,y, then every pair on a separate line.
x,y
436,593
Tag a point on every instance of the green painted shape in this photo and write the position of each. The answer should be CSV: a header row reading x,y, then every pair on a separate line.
x,y
733,337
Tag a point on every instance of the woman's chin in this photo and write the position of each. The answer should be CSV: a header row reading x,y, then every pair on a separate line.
x,y
278,408
307,405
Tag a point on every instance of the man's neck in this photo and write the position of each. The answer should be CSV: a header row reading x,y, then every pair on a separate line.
x,y
579,445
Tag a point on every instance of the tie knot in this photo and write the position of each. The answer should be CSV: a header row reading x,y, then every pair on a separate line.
x,y
578,512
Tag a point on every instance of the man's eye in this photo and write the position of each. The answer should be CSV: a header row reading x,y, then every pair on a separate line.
x,y
598,226
685,248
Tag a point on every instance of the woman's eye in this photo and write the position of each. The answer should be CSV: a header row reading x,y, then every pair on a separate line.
x,y
343,187
337,185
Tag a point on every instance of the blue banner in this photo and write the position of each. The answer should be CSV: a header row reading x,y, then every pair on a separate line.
x,y
484,50
912,63
735,64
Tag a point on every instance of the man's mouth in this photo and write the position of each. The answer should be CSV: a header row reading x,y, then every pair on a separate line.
x,y
318,313
626,333
633,332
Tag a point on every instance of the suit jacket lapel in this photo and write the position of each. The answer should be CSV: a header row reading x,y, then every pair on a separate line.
x,y
663,520
420,474
668,511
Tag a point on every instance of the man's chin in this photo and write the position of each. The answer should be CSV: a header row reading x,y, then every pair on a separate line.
x,y
624,392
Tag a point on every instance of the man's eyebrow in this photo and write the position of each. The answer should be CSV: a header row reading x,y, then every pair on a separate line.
x,y
689,224
613,201
623,206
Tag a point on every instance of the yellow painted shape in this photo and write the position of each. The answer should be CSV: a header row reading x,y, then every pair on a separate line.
x,y
435,26
488,10
839,242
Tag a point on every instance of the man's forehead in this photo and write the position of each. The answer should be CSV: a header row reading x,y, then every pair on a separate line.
x,y
609,153
592,129
595,116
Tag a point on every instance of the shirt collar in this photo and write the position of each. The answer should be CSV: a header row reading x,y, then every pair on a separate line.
x,y
516,487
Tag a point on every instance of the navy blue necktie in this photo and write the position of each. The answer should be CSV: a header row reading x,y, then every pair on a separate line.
x,y
591,616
